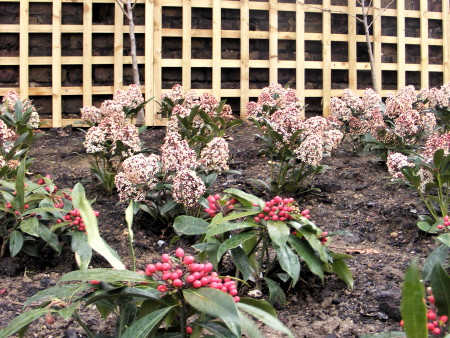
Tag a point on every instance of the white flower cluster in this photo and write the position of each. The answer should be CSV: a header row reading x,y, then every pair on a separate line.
x,y
187,188
176,154
91,114
6,134
138,175
434,143
131,98
9,103
215,155
395,162
10,99
438,98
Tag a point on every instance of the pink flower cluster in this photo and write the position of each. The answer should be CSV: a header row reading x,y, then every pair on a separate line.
x,y
435,142
187,188
176,154
215,155
438,98
130,98
9,103
184,102
395,163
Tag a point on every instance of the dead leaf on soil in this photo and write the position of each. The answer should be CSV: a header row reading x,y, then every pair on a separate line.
x,y
362,251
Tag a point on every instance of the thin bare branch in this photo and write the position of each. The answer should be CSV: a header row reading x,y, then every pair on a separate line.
x,y
122,4
134,4
381,12
335,11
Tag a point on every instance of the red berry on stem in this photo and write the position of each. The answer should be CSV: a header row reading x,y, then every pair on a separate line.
x,y
197,284
188,260
179,252
189,330
162,288
177,283
443,319
165,258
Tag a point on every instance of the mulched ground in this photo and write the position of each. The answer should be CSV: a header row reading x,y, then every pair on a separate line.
x,y
356,196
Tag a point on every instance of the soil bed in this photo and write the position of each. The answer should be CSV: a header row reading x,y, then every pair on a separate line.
x,y
356,196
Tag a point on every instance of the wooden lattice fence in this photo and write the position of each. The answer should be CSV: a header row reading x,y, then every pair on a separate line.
x,y
66,54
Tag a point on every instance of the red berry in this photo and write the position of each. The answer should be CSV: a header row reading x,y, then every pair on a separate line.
x,y
95,282
165,266
189,330
236,299
436,331
402,323
208,267
16,212
162,288
197,284
443,319
305,212
257,219
233,292
211,199
431,299
275,217
177,283
217,196
188,260
49,318
26,206
431,315
190,279
430,326
179,252
165,258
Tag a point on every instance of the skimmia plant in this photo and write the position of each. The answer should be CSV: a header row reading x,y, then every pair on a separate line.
x,y
438,100
294,146
111,137
176,296
429,175
17,121
266,240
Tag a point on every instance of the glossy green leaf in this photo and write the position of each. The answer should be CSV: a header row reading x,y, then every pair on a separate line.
x,y
30,225
249,327
144,326
81,248
217,304
439,255
50,237
219,219
124,294
189,225
68,311
412,306
226,227
66,291
445,238
276,294
314,242
242,262
440,284
266,317
219,331
343,272
288,261
81,203
308,255
278,232
104,275
259,303
43,209
234,242
245,196
15,242
23,320
20,186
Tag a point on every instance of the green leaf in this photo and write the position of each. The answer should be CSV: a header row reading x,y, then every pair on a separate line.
x,y
234,242
15,243
278,232
124,295
30,225
308,255
445,238
81,248
23,320
243,196
225,227
440,284
215,328
248,326
218,219
217,304
276,294
440,255
20,185
144,326
266,317
66,291
50,237
104,275
68,311
259,303
242,263
289,262
412,306
81,203
312,239
189,225
343,272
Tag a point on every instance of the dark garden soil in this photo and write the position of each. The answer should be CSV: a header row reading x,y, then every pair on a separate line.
x,y
356,196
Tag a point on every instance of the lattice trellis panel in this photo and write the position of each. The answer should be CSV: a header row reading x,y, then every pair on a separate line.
x,y
69,53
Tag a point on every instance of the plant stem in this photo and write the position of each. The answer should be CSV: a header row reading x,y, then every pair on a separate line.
x,y
77,317
183,317
133,257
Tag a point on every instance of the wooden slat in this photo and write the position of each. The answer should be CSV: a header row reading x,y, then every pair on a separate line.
x,y
300,52
118,47
245,56
352,55
87,53
424,78
326,57
149,70
401,54
157,64
216,48
377,41
273,41
186,70
56,65
446,37
23,49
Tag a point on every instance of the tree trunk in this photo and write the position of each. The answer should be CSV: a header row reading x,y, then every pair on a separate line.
x,y
140,120
369,48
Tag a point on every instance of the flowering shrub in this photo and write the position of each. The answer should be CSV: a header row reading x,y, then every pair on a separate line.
x,y
396,125
17,121
295,146
428,175
39,209
439,103
111,138
253,230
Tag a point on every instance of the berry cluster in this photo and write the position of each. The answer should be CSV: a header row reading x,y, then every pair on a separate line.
x,y
323,237
280,209
183,272
16,212
74,219
446,223
436,325
215,206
